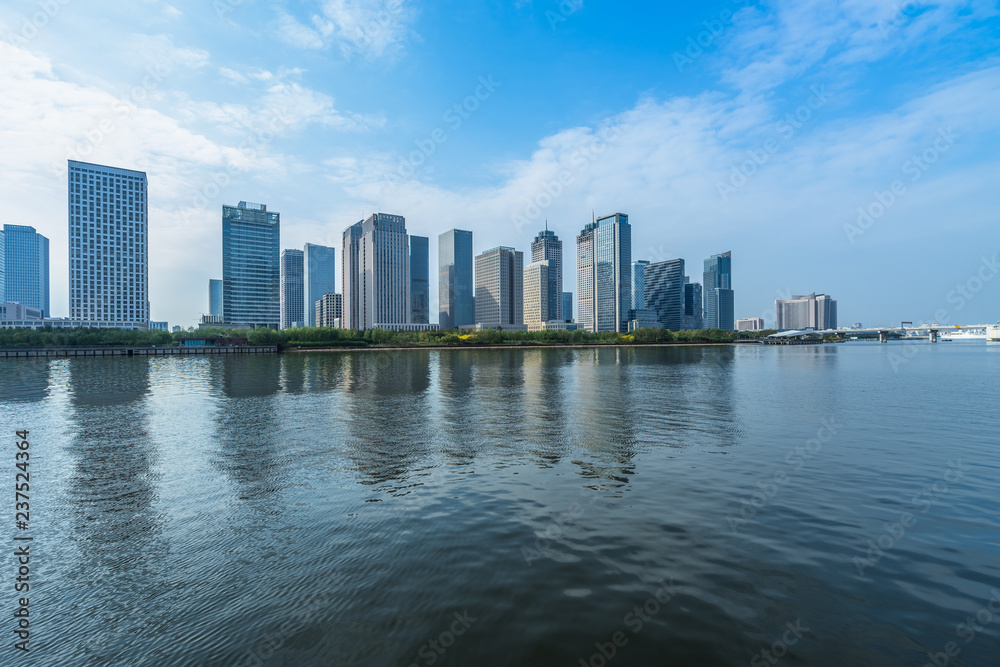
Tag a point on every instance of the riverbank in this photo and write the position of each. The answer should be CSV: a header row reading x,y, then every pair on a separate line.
x,y
567,346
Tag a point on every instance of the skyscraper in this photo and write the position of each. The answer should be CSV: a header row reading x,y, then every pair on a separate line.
x,y
420,286
568,306
251,277
499,288
547,246
108,244
813,311
292,289
319,266
664,282
24,271
604,274
329,309
455,280
376,272
694,308
538,279
719,297
215,298
639,284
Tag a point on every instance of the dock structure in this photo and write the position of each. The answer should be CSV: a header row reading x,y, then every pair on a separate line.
x,y
57,352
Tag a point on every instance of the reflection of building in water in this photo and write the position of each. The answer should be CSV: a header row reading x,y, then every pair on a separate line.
x,y
545,420
26,380
247,375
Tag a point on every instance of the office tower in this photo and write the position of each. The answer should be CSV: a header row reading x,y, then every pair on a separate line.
x,y
319,266
456,288
719,297
292,289
547,246
215,298
538,278
420,286
665,292
108,244
24,270
750,324
499,288
350,272
639,284
604,274
328,310
813,311
694,309
568,306
376,272
251,276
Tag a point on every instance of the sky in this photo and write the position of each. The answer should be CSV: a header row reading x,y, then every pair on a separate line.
x,y
846,148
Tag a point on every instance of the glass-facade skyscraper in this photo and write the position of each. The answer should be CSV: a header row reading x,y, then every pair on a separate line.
x,y
694,306
639,284
664,292
604,274
251,274
547,246
319,263
24,269
108,244
292,289
455,280
720,310
420,286
215,298
568,306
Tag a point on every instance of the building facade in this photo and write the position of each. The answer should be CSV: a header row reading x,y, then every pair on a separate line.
x,y
456,285
319,265
251,273
215,298
108,244
376,272
499,288
813,311
293,301
548,247
694,306
719,297
328,310
664,292
24,277
420,285
604,274
538,279
639,284
750,324
567,312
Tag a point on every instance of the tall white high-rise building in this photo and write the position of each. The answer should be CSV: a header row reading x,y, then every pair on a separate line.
x,y
604,274
376,273
812,311
538,279
108,244
499,288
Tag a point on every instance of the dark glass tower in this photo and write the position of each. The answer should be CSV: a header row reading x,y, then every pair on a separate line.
x,y
455,280
420,287
719,297
251,275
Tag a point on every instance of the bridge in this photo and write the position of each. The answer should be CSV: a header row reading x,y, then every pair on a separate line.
x,y
933,332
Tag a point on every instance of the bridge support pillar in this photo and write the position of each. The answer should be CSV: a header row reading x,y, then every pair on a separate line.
x,y
933,333
883,336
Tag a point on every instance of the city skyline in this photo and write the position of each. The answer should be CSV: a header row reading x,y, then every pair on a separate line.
x,y
882,97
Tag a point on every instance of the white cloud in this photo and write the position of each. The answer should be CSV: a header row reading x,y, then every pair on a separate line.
x,y
370,28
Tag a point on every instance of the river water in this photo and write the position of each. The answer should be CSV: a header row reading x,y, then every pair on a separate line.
x,y
831,505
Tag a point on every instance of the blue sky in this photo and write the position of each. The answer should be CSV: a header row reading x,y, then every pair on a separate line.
x,y
756,127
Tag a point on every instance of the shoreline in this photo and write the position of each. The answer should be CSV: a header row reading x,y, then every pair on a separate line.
x,y
499,347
